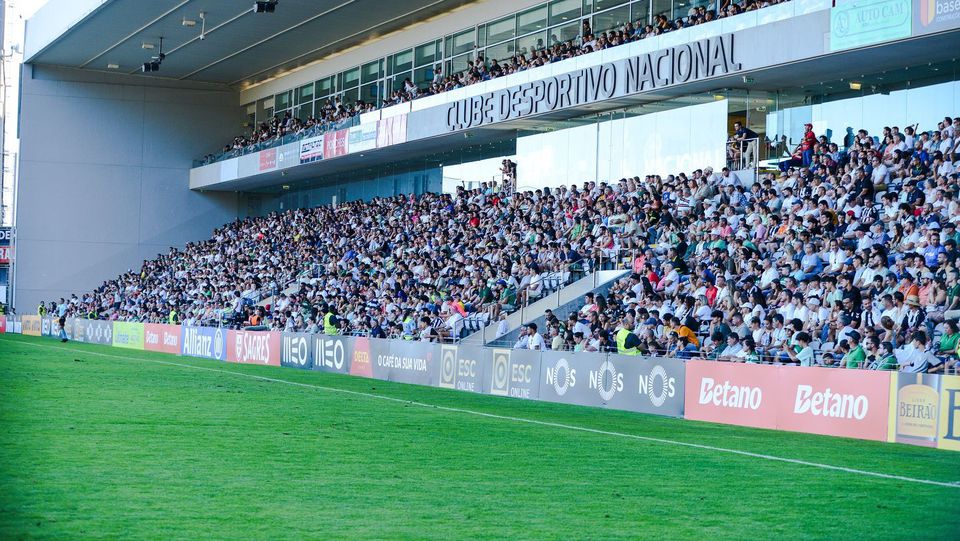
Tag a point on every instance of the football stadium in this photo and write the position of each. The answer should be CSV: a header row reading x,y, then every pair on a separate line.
x,y
481,269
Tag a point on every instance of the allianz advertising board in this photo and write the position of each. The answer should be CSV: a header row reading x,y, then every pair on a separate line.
x,y
208,342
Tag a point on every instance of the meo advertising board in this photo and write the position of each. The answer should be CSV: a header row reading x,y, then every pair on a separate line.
x,y
161,337
207,342
127,335
332,353
295,350
253,347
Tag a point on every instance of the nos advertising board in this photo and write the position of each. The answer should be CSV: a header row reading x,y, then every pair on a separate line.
x,y
128,335
649,385
207,342
253,347
160,337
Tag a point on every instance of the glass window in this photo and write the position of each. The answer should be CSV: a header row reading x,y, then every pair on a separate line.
x,y
500,52
562,11
402,61
371,71
532,20
370,93
662,7
282,101
601,5
326,86
398,79
498,31
461,42
349,78
350,96
428,53
686,8
422,77
640,12
304,94
614,18
587,6
567,32
305,111
458,64
531,43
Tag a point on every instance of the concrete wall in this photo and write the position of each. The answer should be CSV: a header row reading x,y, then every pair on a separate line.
x,y
104,170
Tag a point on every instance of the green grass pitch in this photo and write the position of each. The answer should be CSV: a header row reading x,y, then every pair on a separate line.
x,y
102,443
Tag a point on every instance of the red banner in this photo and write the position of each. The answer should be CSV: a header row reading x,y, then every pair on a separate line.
x,y
3,324
164,338
268,159
6,254
335,143
834,401
731,393
361,364
253,347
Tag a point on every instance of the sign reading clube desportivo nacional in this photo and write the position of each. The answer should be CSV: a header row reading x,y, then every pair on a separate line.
x,y
656,70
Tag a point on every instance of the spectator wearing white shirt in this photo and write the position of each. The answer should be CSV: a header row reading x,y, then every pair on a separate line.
x,y
535,340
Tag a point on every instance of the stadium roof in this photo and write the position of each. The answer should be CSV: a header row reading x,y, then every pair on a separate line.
x,y
240,46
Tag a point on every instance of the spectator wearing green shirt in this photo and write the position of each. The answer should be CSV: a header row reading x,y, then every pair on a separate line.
x,y
804,355
856,356
885,359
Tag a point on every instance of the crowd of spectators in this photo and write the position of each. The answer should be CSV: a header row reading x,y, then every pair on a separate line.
x,y
482,69
847,257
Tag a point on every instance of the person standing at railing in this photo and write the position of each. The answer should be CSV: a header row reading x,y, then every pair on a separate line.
x,y
745,141
330,322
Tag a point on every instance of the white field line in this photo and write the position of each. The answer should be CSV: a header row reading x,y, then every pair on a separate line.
x,y
703,447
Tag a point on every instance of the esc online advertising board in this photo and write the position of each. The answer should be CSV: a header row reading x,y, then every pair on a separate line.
x,y
917,409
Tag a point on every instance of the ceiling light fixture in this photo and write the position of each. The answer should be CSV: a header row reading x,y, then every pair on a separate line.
x,y
146,45
113,66
188,22
265,7
855,85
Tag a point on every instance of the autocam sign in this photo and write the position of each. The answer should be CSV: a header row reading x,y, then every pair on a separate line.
x,y
685,63
856,23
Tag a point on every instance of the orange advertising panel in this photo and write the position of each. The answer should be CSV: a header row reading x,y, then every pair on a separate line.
x,y
834,401
253,347
360,364
730,393
164,338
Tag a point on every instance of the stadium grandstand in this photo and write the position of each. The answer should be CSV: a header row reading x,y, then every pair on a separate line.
x,y
741,212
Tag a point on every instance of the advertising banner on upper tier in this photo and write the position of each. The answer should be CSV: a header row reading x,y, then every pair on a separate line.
x,y
253,347
128,335
208,342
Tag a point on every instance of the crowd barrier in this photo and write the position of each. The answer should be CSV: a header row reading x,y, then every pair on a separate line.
x,y
918,409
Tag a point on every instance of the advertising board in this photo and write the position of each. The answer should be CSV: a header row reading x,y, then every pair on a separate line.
x,y
127,335
514,373
207,342
730,393
404,361
332,353
461,367
311,149
914,409
296,350
161,337
856,23
834,401
949,436
253,347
